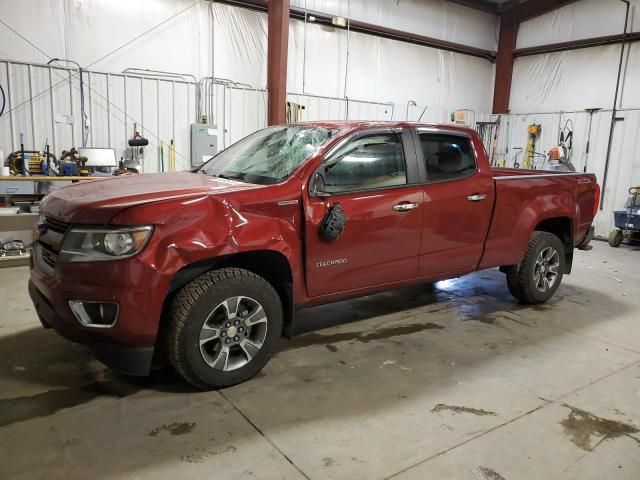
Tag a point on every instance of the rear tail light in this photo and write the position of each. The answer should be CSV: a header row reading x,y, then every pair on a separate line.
x,y
95,314
596,200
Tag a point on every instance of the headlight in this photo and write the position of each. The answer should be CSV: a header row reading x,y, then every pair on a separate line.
x,y
95,244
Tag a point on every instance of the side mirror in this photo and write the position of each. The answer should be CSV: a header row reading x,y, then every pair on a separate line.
x,y
333,223
318,185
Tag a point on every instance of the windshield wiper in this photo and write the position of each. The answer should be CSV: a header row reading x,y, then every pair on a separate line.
x,y
237,176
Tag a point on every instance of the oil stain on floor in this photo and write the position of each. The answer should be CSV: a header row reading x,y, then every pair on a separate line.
x,y
486,473
456,409
379,334
581,426
173,428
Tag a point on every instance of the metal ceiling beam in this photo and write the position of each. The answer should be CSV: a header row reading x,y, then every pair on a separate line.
x,y
576,44
371,29
481,5
534,8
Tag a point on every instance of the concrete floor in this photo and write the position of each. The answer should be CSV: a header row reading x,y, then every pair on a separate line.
x,y
456,382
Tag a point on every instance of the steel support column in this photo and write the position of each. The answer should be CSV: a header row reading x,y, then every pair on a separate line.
x,y
277,48
504,61
510,19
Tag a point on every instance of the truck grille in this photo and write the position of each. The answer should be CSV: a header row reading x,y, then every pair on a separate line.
x,y
49,256
56,225
50,244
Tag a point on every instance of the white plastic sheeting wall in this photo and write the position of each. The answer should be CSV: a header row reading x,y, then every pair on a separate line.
x,y
578,20
191,36
575,80
378,69
86,30
431,18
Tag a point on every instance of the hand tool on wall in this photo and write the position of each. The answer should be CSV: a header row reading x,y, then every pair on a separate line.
x,y
161,156
494,142
137,151
172,157
533,131
588,144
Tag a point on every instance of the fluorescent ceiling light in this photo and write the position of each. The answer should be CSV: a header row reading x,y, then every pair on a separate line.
x,y
339,21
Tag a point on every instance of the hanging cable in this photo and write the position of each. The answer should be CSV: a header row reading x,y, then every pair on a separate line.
x,y
24,38
143,34
37,95
4,100
615,106
304,48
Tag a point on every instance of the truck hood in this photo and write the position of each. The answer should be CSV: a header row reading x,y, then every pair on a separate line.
x,y
97,202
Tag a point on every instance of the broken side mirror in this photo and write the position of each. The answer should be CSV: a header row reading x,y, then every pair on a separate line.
x,y
333,223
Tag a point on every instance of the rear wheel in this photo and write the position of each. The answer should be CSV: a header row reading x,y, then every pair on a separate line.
x,y
223,327
539,274
615,238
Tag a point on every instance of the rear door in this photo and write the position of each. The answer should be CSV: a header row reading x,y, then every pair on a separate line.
x,y
458,202
373,175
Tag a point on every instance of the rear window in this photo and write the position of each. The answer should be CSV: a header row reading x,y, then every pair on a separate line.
x,y
447,157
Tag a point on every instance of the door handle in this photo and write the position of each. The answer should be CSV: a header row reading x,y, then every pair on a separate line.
x,y
405,207
476,197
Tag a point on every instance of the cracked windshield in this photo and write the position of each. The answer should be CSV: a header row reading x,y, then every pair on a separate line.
x,y
268,156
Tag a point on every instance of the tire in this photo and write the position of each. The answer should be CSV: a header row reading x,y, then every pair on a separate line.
x,y
536,279
615,238
207,344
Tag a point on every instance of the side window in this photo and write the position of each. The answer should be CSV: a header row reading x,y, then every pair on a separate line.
x,y
447,157
374,161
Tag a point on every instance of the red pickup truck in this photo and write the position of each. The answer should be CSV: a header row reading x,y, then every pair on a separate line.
x,y
206,268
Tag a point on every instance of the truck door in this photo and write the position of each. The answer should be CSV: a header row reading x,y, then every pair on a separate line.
x,y
458,203
373,176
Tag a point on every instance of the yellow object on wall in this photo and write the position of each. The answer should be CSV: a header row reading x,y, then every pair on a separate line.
x,y
534,131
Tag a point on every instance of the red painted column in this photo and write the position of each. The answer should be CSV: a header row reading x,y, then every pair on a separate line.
x,y
277,49
504,61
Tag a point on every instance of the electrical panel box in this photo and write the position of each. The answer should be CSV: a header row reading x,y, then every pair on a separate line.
x,y
204,142
461,117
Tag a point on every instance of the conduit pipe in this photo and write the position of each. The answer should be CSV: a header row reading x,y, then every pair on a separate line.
x,y
614,110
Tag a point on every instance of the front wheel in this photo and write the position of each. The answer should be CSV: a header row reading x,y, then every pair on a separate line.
x,y
223,327
539,274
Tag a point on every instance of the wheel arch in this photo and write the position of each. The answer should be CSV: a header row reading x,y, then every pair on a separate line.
x,y
271,265
561,227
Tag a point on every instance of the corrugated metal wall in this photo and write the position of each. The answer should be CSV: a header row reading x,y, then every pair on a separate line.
x,y
162,110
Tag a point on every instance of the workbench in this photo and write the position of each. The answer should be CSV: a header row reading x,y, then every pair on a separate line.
x,y
10,185
20,226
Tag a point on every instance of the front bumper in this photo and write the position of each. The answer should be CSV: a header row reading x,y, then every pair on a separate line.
x,y
137,288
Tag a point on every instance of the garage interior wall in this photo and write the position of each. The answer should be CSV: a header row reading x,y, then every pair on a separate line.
x,y
206,39
551,88
383,78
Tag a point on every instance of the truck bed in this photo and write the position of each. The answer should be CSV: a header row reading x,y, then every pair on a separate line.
x,y
524,199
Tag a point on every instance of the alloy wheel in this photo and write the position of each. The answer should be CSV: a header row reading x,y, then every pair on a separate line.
x,y
546,269
233,333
